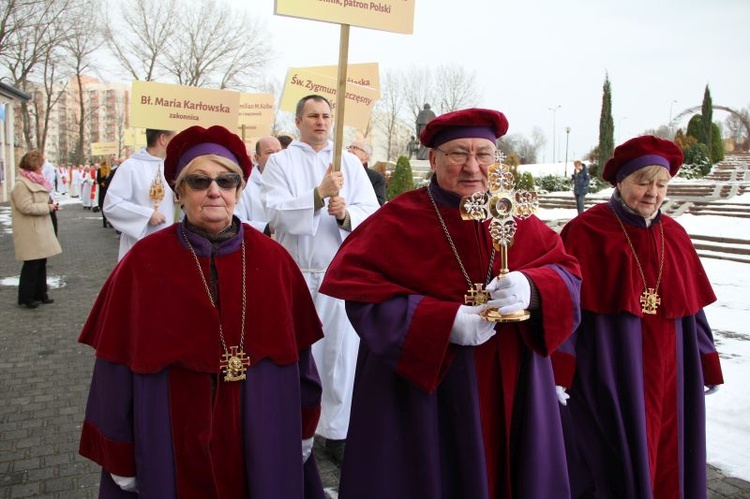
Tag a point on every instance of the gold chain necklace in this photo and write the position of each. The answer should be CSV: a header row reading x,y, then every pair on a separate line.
x,y
650,299
234,362
476,294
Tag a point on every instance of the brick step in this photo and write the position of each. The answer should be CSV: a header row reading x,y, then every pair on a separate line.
x,y
733,250
719,239
719,213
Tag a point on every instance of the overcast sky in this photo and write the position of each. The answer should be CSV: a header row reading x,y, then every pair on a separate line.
x,y
533,55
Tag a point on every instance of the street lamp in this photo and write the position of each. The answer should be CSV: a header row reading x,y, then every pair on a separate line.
x,y
554,115
671,133
567,136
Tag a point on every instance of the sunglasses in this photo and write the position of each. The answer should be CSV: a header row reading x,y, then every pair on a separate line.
x,y
202,182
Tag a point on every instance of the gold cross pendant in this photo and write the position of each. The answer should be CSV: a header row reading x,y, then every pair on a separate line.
x,y
476,295
234,364
650,301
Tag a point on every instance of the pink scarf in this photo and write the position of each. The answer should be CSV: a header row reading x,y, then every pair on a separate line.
x,y
37,178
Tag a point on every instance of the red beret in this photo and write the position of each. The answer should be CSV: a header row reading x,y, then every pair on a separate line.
x,y
466,123
640,152
198,141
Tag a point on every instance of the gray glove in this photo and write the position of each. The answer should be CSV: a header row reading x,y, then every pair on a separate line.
x,y
511,293
469,328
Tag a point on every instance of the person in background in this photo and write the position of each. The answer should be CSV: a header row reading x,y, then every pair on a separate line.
x,y
363,151
580,184
204,385
250,207
139,201
638,364
34,238
88,187
313,209
50,173
102,180
446,403
284,140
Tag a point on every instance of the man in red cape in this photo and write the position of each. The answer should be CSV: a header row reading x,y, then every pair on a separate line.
x,y
447,404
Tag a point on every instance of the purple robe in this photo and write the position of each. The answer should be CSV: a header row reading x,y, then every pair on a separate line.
x,y
159,408
418,408
635,420
131,407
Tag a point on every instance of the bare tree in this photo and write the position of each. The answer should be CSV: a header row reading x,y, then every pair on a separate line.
x,y
31,33
217,46
388,111
83,41
15,18
538,141
416,86
140,39
455,88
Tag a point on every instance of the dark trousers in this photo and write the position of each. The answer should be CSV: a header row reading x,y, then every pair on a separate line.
x,y
33,283
579,202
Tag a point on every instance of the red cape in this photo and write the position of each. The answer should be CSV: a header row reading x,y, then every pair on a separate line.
x,y
597,240
153,310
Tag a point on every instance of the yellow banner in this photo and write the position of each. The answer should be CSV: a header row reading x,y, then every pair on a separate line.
x,y
386,15
135,137
103,148
163,106
365,74
301,82
256,115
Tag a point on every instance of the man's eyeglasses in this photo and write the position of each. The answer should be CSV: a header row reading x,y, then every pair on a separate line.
x,y
225,181
462,157
356,149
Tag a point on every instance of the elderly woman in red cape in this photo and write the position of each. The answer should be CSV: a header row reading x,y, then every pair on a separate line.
x,y
447,404
635,421
204,386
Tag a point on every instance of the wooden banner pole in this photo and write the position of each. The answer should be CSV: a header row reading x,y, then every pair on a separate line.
x,y
338,140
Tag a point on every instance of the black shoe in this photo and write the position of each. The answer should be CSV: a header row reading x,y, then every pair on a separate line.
x,y
47,301
31,304
335,449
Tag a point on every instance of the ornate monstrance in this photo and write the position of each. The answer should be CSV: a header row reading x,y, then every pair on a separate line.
x,y
500,205
156,192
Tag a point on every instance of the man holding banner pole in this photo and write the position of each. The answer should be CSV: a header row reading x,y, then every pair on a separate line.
x,y
313,209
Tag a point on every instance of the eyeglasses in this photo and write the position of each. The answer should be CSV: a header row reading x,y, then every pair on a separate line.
x,y
356,149
202,182
462,157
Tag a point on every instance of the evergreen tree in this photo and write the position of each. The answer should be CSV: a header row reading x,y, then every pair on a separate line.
x,y
606,127
707,110
402,179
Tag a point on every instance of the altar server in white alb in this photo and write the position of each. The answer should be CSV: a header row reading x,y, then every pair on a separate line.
x,y
313,209
139,201
250,208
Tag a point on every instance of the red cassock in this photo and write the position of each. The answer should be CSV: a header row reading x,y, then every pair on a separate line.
x,y
637,405
430,417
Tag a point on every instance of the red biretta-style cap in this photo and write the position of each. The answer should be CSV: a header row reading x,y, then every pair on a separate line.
x,y
466,123
640,152
198,141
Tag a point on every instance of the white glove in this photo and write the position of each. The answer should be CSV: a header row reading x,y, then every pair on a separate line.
x,y
126,483
307,446
562,395
509,294
469,329
712,389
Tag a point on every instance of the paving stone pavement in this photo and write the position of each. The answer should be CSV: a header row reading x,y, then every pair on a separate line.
x,y
45,372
